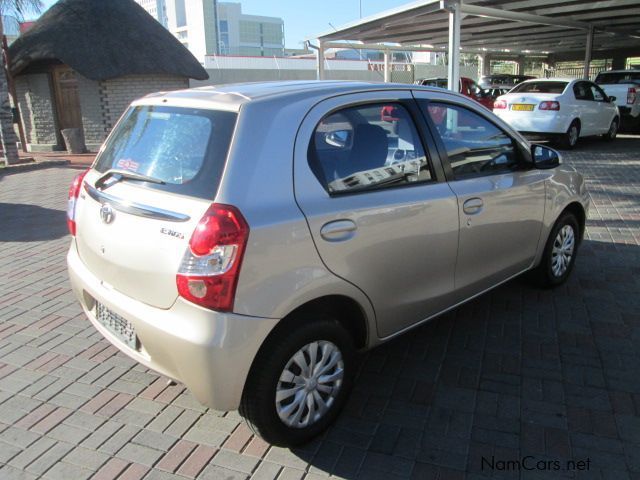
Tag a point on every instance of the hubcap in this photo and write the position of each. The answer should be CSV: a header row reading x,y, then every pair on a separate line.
x,y
309,384
562,251
573,135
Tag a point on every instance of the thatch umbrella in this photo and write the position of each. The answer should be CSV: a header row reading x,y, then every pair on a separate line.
x,y
104,39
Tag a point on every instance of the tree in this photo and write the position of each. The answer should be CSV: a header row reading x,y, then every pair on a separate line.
x,y
15,8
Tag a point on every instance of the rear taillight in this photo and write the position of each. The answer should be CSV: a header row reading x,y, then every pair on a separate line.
x,y
549,106
499,105
74,193
631,96
209,271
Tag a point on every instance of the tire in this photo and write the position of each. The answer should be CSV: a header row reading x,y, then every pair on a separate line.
x,y
555,268
570,138
611,134
259,405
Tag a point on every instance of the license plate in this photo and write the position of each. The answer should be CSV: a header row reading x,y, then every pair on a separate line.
x,y
522,107
120,327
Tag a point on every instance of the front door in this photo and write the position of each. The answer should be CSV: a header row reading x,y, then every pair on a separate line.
x,y
65,86
500,197
378,208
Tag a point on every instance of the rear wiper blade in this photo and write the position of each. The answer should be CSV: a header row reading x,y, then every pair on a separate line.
x,y
117,175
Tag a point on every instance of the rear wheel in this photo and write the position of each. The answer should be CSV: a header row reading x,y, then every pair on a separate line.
x,y
559,253
299,381
570,138
612,132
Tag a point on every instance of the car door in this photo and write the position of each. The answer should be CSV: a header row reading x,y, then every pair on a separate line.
x,y
380,213
606,110
501,198
587,108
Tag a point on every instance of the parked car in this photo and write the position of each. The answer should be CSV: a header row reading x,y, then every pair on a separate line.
x,y
563,109
504,80
247,240
624,86
467,86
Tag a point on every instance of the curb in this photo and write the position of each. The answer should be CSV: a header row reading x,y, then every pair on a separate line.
x,y
28,167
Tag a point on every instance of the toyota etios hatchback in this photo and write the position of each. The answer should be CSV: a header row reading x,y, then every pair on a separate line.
x,y
247,240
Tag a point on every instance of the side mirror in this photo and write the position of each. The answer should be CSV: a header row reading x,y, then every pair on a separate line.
x,y
612,99
545,157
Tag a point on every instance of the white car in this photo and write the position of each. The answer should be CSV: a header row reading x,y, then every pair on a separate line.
x,y
562,108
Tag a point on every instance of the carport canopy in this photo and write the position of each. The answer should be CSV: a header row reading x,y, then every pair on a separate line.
x,y
516,27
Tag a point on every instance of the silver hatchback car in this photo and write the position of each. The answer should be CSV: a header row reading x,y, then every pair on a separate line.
x,y
248,240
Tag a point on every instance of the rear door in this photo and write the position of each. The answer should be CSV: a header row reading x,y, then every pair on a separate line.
x,y
133,234
588,108
380,213
500,197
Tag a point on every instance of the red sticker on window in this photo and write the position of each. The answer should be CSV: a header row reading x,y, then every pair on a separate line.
x,y
128,164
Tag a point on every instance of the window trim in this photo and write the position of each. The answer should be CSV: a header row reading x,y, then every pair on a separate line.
x,y
524,156
414,115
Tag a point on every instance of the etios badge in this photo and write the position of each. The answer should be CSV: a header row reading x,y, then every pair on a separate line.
x,y
106,213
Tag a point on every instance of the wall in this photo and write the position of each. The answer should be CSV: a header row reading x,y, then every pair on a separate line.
x,y
222,76
118,93
35,98
91,109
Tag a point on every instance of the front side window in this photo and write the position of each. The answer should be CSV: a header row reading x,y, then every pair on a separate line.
x,y
474,145
368,147
598,93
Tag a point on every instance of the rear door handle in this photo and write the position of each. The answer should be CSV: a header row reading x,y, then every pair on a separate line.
x,y
338,230
472,206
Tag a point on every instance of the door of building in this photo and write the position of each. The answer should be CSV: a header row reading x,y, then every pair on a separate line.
x,y
65,86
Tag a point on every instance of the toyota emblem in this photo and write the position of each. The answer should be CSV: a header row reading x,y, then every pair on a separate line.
x,y
106,213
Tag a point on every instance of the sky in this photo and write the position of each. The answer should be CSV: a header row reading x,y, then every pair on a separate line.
x,y
306,18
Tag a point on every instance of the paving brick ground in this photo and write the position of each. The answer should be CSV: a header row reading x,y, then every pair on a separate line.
x,y
553,376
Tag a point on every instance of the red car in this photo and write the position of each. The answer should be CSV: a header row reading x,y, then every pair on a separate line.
x,y
468,87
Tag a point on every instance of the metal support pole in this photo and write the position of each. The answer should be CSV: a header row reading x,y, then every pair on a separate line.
x,y
320,65
387,72
588,52
453,68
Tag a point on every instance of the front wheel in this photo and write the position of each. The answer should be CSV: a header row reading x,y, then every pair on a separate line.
x,y
612,132
299,381
559,253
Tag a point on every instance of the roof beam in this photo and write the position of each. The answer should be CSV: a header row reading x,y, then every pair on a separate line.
x,y
487,12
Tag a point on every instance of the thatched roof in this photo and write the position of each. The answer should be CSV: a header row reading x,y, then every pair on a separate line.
x,y
103,39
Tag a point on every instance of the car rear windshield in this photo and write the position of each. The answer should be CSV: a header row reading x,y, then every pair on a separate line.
x,y
618,77
540,87
185,148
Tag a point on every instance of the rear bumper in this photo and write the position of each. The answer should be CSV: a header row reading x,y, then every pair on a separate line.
x,y
210,352
535,122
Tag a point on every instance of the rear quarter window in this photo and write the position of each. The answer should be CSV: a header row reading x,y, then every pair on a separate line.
x,y
185,148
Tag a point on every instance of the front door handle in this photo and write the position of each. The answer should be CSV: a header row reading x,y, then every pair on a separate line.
x,y
473,206
338,230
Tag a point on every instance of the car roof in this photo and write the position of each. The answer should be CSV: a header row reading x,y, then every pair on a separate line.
x,y
234,95
554,79
627,70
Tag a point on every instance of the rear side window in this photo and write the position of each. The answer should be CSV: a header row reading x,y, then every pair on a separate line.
x,y
618,77
540,87
185,148
368,147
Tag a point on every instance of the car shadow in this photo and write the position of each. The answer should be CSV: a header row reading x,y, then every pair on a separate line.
x,y
20,222
509,374
624,143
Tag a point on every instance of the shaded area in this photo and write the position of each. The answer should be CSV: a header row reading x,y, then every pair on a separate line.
x,y
21,222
